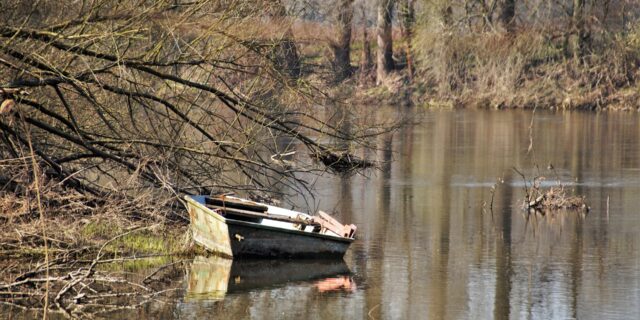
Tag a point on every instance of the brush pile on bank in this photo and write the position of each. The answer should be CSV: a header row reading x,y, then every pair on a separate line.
x,y
78,284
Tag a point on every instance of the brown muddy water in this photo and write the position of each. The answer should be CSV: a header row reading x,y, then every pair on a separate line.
x,y
426,249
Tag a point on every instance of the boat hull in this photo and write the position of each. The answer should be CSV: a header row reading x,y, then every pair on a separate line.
x,y
208,228
252,240
245,239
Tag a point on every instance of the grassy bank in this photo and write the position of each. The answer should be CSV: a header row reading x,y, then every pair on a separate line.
x,y
44,217
554,56
85,237
527,69
496,70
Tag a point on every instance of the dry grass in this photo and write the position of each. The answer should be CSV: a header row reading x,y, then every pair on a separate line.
x,y
73,220
52,256
528,69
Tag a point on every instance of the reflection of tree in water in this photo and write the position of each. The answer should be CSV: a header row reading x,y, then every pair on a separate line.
x,y
504,270
561,232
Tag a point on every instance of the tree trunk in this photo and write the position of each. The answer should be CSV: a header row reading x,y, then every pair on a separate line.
x,y
366,60
385,41
407,18
287,56
342,47
578,34
284,52
507,16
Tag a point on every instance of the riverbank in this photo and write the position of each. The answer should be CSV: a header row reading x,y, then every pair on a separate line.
x,y
65,253
517,79
44,219
492,69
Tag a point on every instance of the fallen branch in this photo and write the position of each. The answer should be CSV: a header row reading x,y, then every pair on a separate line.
x,y
342,162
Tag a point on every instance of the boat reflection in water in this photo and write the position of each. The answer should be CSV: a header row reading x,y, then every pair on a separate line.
x,y
208,278
212,277
341,283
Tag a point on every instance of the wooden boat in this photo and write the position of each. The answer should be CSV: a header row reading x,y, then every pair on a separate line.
x,y
241,228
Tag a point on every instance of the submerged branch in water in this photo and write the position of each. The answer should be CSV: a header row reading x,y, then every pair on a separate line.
x,y
81,289
342,162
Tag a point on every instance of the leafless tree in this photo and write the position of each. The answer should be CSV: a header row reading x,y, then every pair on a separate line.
x,y
284,51
186,97
406,12
384,56
578,34
342,46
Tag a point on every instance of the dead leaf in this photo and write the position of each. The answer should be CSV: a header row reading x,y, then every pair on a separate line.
x,y
7,106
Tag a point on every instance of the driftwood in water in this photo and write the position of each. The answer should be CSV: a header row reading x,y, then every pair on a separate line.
x,y
342,162
553,198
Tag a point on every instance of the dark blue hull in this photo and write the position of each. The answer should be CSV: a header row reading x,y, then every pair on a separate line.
x,y
252,240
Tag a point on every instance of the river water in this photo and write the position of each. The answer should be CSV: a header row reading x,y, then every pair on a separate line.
x,y
430,246
427,249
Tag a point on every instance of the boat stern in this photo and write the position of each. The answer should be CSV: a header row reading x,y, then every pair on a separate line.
x,y
208,228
